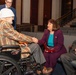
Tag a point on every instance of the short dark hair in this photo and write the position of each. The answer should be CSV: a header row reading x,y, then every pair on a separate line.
x,y
55,25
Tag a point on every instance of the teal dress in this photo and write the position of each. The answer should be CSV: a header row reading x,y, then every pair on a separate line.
x,y
51,40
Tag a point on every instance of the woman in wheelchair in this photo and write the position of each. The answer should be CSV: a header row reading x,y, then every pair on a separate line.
x,y
9,36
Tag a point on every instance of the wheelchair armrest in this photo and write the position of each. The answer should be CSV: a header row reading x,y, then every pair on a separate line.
x,y
9,47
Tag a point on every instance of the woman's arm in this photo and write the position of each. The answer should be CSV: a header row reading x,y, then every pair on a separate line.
x,y
9,32
59,41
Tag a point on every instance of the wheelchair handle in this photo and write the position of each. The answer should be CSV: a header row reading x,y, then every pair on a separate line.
x,y
9,47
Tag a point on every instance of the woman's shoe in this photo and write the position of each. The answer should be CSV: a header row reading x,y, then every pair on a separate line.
x,y
38,72
47,71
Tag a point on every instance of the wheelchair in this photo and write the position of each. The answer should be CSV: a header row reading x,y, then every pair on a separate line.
x,y
15,65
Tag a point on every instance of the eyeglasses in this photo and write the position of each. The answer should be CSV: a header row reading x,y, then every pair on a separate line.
x,y
8,2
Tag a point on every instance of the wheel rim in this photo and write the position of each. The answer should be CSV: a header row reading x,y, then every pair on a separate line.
x,y
8,66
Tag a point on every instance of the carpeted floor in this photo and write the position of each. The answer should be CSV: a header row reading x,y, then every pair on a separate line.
x,y
59,70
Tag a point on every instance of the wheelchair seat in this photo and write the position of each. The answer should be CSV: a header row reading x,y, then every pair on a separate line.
x,y
9,53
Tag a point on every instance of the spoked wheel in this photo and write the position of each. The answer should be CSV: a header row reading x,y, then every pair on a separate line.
x,y
8,66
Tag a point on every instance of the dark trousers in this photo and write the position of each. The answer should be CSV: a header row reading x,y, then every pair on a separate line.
x,y
66,59
51,59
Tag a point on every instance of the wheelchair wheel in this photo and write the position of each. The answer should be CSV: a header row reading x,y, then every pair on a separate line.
x,y
8,66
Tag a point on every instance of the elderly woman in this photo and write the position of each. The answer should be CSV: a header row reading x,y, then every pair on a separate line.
x,y
53,42
8,4
9,36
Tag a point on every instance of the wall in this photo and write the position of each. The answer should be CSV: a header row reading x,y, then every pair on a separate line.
x,y
26,11
18,11
74,4
40,12
56,9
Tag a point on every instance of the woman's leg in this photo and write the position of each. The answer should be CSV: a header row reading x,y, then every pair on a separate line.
x,y
51,60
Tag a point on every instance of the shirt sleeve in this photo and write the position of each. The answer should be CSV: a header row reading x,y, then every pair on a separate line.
x,y
60,41
14,35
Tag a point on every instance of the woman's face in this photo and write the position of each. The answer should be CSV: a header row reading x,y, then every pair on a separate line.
x,y
10,20
50,26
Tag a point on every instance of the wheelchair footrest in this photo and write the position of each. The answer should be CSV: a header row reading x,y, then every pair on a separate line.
x,y
29,72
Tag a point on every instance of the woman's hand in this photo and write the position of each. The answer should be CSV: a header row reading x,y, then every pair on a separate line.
x,y
35,40
22,43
